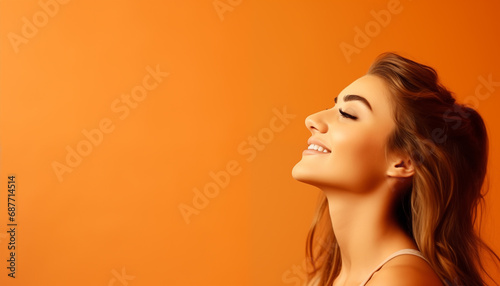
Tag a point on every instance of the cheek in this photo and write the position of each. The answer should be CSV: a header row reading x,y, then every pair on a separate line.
x,y
359,160
367,150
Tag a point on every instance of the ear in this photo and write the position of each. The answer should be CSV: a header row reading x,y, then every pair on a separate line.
x,y
400,167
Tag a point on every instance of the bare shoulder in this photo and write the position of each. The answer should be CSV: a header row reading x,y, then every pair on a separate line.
x,y
405,270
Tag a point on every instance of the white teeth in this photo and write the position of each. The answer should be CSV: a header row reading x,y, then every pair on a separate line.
x,y
317,148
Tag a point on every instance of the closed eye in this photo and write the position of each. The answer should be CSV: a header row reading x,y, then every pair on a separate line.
x,y
347,115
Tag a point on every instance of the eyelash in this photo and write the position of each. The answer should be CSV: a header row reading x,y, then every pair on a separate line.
x,y
347,115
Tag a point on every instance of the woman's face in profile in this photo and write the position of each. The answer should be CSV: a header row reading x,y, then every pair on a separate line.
x,y
347,148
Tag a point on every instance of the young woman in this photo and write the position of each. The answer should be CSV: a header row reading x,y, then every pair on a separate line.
x,y
401,166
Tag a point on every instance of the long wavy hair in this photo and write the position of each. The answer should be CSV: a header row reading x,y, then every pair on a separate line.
x,y
448,145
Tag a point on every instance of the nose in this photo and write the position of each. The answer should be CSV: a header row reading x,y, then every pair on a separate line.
x,y
316,122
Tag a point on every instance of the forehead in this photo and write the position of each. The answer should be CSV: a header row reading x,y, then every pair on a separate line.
x,y
374,89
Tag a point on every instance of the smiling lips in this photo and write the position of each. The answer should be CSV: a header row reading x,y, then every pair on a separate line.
x,y
316,145
318,148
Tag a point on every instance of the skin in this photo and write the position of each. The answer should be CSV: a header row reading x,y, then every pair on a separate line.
x,y
361,180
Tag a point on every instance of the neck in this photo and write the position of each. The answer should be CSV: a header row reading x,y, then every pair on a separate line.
x,y
365,230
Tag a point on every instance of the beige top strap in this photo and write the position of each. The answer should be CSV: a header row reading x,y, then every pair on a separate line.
x,y
397,253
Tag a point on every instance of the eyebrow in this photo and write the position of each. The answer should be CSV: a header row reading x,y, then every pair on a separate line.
x,y
351,97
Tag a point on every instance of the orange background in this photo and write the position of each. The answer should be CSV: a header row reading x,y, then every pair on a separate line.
x,y
117,212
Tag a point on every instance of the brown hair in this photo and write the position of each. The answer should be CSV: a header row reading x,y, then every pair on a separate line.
x,y
448,145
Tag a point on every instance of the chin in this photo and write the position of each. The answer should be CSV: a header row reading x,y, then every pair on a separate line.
x,y
315,177
297,171
303,175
